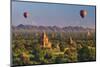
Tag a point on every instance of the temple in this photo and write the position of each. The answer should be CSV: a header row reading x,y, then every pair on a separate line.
x,y
45,43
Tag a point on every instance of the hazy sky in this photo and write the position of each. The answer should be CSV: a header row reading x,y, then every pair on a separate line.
x,y
52,14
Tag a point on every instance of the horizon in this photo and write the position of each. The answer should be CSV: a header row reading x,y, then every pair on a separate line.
x,y
54,26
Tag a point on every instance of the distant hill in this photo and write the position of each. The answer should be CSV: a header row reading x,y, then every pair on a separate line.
x,y
52,28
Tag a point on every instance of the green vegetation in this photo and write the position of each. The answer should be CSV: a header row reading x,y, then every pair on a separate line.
x,y
26,48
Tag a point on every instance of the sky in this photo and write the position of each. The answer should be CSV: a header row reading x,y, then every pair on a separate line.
x,y
51,14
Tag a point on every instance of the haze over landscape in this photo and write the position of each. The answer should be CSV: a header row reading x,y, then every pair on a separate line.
x,y
44,33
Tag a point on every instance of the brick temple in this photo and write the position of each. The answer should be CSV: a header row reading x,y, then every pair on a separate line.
x,y
45,43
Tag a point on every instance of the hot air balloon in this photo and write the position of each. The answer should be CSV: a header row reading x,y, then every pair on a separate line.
x,y
83,13
25,14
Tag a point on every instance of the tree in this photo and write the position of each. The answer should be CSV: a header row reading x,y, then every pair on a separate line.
x,y
87,54
71,55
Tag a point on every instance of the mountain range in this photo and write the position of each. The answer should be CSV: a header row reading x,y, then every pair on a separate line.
x,y
52,28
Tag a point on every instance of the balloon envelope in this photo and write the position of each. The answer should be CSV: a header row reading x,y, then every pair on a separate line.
x,y
83,13
25,14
